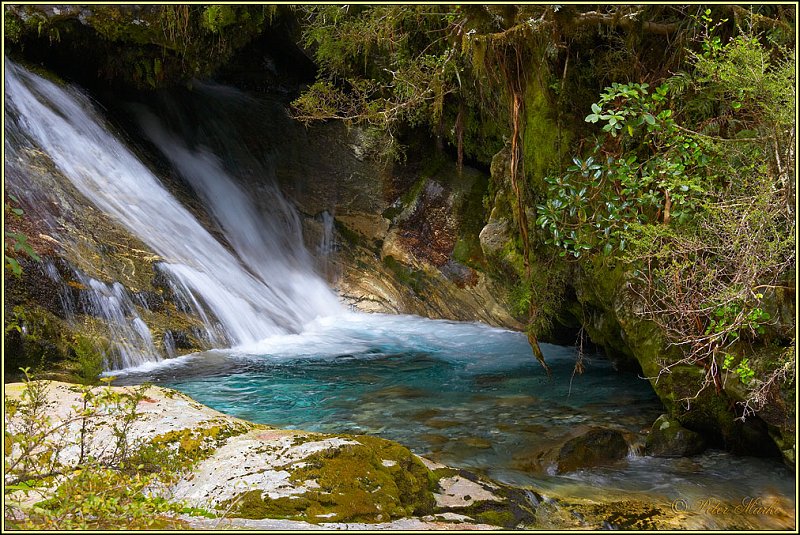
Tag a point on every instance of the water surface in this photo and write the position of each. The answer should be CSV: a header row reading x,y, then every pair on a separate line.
x,y
464,394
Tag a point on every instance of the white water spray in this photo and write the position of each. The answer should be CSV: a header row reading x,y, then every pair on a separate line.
x,y
259,290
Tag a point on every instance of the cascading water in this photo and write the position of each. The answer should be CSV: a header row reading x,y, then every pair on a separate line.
x,y
260,289
326,247
327,243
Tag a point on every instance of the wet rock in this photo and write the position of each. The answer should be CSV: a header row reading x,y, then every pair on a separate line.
x,y
180,339
494,236
613,318
596,447
668,438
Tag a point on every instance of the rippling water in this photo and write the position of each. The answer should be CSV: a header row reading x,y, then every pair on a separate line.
x,y
464,394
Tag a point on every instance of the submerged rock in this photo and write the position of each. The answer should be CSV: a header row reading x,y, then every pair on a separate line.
x,y
668,438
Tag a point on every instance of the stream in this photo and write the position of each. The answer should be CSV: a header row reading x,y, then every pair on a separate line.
x,y
466,395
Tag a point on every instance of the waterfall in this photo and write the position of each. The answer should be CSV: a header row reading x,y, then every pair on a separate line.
x,y
327,243
259,288
326,247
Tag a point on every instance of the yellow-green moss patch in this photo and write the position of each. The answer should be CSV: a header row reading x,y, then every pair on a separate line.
x,y
375,480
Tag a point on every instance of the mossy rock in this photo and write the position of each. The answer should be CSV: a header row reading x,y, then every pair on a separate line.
x,y
596,447
147,46
35,338
375,480
668,438
613,318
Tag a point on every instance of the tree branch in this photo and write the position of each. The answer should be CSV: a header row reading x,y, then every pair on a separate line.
x,y
757,20
627,21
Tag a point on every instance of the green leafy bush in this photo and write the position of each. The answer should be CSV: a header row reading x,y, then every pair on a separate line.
x,y
97,486
691,187
16,242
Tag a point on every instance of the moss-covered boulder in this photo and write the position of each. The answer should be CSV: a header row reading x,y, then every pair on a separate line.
x,y
668,438
337,479
598,446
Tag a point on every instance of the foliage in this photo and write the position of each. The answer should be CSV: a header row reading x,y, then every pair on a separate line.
x,y
146,46
742,369
691,186
216,17
654,171
474,76
383,65
102,498
84,479
89,362
16,242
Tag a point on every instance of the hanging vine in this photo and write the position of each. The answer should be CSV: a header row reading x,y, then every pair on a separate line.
x,y
503,56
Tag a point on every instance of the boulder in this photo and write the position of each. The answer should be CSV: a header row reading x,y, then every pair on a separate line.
x,y
597,446
494,236
668,438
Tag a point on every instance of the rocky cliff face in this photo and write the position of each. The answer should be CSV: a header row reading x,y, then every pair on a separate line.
x,y
405,236
614,318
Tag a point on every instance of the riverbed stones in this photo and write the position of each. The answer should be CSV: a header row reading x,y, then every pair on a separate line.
x,y
668,438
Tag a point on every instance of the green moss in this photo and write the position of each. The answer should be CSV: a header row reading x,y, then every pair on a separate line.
x,y
408,277
88,360
471,216
148,46
217,17
373,481
347,234
411,195
468,251
520,299
173,453
297,440
12,27
512,511
504,519
542,139
116,23
197,443
35,338
255,505
482,133
442,473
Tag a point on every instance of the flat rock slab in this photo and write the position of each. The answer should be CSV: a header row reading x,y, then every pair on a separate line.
x,y
458,491
403,524
243,469
258,460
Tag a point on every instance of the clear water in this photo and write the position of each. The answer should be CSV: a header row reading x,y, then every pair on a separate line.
x,y
464,394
